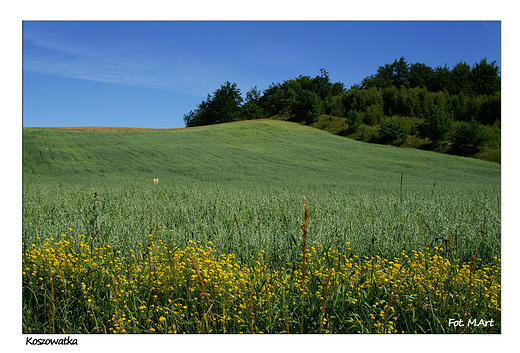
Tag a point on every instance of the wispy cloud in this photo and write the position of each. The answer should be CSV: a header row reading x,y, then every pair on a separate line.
x,y
129,63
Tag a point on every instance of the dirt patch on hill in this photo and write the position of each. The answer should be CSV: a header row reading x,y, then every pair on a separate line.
x,y
108,128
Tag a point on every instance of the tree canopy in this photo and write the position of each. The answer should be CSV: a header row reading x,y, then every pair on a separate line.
x,y
223,106
481,79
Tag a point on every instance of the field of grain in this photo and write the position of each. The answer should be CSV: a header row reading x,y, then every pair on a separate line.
x,y
389,240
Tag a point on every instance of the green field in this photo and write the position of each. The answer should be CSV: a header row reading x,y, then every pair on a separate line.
x,y
238,189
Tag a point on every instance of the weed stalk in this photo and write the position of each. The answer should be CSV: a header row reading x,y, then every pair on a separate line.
x,y
325,297
204,293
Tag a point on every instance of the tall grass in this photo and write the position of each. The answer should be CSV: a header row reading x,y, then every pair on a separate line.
x,y
268,219
161,287
387,240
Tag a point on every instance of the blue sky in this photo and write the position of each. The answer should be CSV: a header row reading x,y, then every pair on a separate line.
x,y
151,73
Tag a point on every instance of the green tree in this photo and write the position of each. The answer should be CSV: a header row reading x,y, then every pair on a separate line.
x,y
321,85
223,106
394,129
437,125
441,79
308,107
400,73
485,78
459,107
251,108
280,98
490,109
469,138
334,106
394,74
420,75
324,88
390,99
373,114
354,119
225,103
461,79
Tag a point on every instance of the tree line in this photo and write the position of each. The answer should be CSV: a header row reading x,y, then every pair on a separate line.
x,y
464,99
300,99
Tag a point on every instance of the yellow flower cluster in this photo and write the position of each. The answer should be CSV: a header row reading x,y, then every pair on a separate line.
x,y
74,287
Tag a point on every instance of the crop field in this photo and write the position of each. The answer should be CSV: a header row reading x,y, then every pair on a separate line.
x,y
255,227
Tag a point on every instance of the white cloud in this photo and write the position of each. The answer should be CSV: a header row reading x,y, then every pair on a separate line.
x,y
130,63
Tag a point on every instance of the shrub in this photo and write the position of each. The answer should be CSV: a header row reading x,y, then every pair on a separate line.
x,y
395,129
469,138
437,124
334,106
373,114
354,119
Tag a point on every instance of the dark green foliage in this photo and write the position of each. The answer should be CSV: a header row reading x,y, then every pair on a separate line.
x,y
391,100
420,75
482,79
468,138
307,107
354,119
395,74
437,125
461,79
490,109
441,79
322,86
394,129
251,108
301,99
373,114
222,107
485,78
367,102
334,106
278,98
362,99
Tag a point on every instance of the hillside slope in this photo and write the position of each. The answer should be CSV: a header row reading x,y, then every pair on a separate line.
x,y
247,153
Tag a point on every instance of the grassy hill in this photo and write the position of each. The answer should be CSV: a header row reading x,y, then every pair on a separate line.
x,y
246,153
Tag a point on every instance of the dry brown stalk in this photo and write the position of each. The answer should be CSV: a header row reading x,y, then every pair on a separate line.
x,y
252,315
199,324
287,319
325,297
451,242
174,327
204,294
201,282
117,303
388,308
